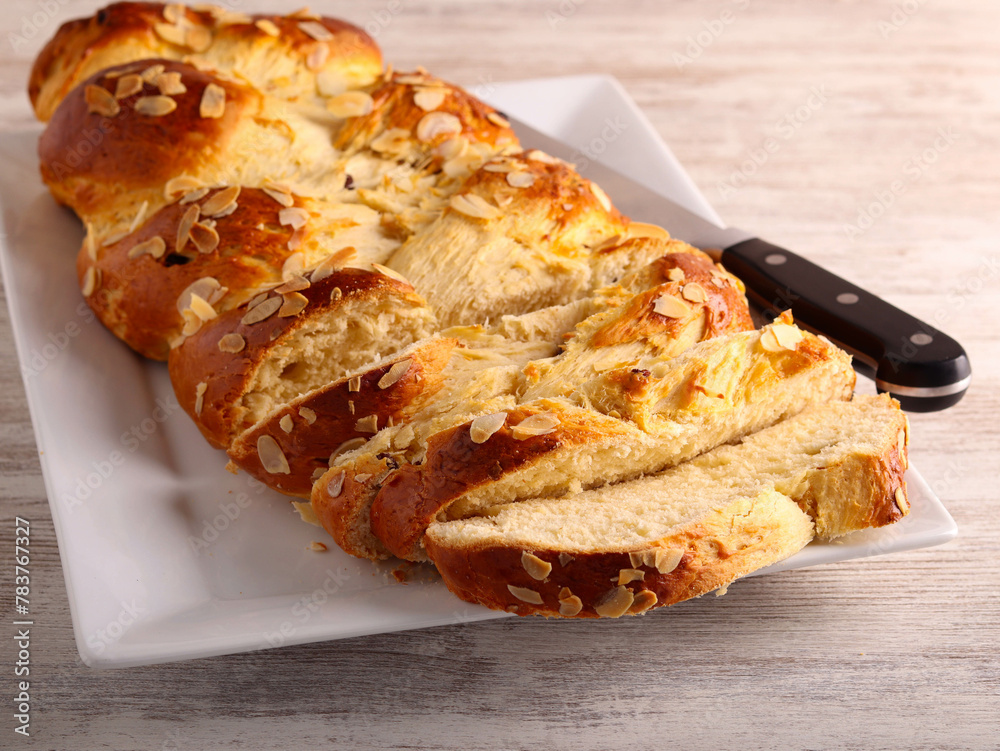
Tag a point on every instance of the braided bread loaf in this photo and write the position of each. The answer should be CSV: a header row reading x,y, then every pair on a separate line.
x,y
373,298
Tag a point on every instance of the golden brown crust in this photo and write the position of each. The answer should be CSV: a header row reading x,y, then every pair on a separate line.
x,y
92,162
324,419
198,360
717,549
413,496
136,298
342,500
123,32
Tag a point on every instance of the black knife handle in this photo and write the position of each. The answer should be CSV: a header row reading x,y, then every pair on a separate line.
x,y
923,368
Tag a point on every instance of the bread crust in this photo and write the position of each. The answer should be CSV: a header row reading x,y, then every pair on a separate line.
x,y
198,360
326,418
123,32
725,544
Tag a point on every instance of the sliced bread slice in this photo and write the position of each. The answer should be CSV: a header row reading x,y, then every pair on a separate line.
x,y
665,538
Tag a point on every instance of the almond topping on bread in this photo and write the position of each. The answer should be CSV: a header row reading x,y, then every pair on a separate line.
x,y
170,84
535,566
155,106
397,371
367,424
615,603
901,500
154,246
780,337
627,575
336,485
540,424
307,414
221,201
435,124
100,101
272,458
570,606
472,205
429,99
485,426
199,397
524,594
268,27
128,85
643,601
262,311
232,343
671,307
350,104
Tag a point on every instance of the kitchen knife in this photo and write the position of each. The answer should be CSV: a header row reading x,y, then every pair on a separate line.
x,y
923,368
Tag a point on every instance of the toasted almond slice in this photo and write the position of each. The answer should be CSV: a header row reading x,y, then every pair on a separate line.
x,y
91,280
520,179
198,38
293,217
540,424
182,184
154,246
174,12
262,311
671,307
627,575
564,560
318,547
154,106
232,343
901,500
643,601
199,397
317,56
281,196
268,27
570,606
473,206
286,424
150,74
213,102
540,156
435,124
220,201
184,226
368,424
694,292
391,273
429,99
484,426
354,384
536,567
292,266
499,120
641,229
207,288
316,30
350,104
205,238
296,284
100,101
336,485
615,603
307,414
172,33
524,594
397,371
666,560
676,275
602,197
272,458
293,304
128,85
170,83
787,336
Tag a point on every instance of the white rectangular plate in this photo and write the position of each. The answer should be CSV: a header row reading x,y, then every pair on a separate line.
x,y
166,555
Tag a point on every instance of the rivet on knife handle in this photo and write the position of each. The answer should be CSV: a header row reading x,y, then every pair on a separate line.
x,y
920,366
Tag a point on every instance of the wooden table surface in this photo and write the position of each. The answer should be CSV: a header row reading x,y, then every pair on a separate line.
x,y
899,651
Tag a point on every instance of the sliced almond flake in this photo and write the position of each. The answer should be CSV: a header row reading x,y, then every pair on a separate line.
x,y
615,603
350,104
198,38
397,371
154,106
643,601
787,336
564,560
570,606
257,300
154,246
205,238
232,343
292,266
602,197
297,238
170,32
902,502
540,424
139,215
391,273
642,229
149,74
184,226
354,384
183,184
174,12
484,426
268,27
540,156
413,79
391,141
362,477
296,284
368,424
694,292
272,458
128,85
627,575
283,197
671,307
170,83
307,414
332,263
293,304
91,280
286,424
90,241
262,311
473,206
113,238
293,217
192,323
335,294
220,201
200,307
100,101
318,547
435,124
350,406
499,120
535,567
429,99
524,594
676,275
520,179
666,560
316,30
452,148
336,485
207,288
304,13
498,167
213,102
317,56
769,342
199,397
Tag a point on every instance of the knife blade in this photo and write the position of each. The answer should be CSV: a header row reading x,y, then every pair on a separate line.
x,y
925,369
